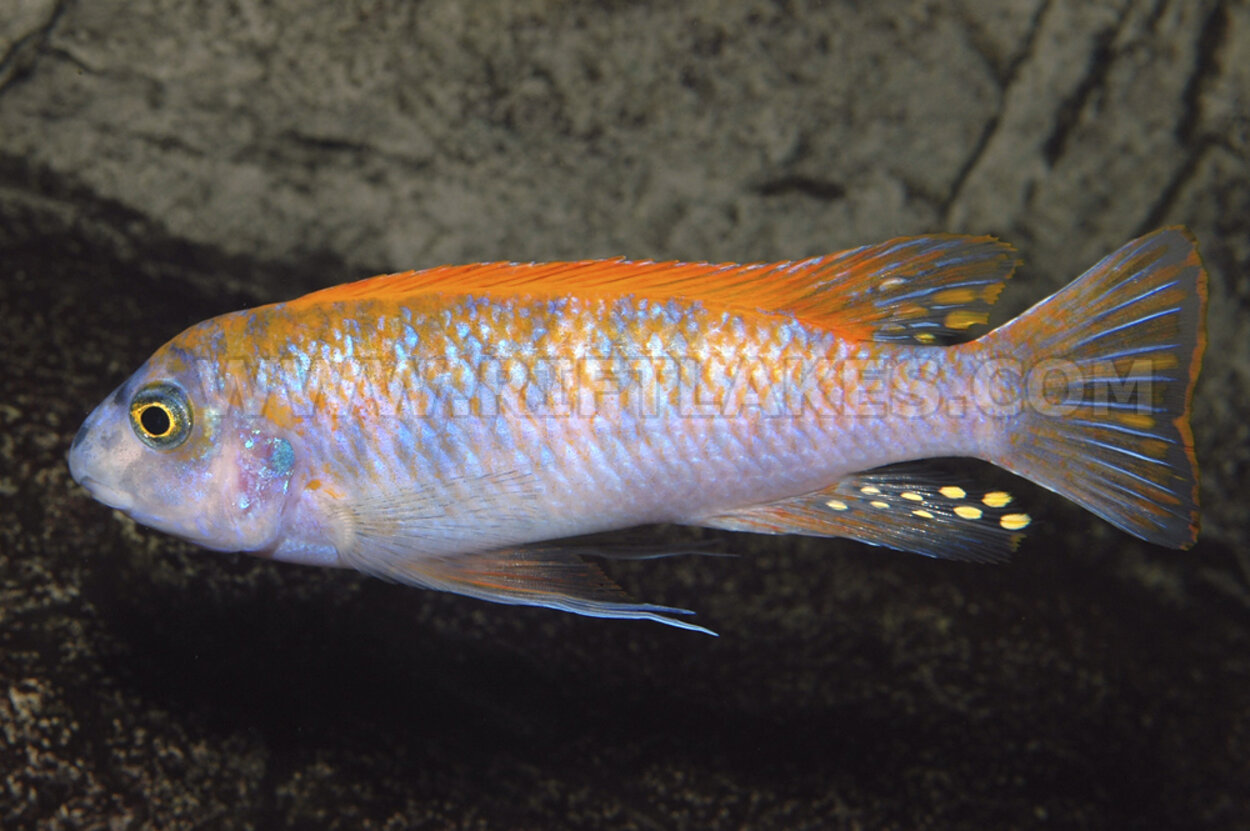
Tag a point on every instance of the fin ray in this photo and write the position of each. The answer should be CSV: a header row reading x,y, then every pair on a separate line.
x,y
545,577
914,506
927,289
1117,440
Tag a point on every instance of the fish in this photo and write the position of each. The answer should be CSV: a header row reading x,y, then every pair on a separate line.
x,y
453,428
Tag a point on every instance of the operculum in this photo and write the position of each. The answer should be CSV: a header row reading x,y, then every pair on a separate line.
x,y
264,465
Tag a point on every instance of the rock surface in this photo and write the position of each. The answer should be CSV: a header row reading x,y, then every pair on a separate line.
x,y
161,162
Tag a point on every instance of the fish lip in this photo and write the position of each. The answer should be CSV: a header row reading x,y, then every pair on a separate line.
x,y
103,493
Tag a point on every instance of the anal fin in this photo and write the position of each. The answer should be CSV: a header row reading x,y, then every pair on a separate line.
x,y
910,507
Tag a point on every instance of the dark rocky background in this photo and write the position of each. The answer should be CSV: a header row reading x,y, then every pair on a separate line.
x,y
161,162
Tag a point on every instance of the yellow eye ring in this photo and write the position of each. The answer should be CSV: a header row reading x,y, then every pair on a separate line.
x,y
156,420
161,416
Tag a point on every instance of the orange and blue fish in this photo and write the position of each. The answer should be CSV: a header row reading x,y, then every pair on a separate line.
x,y
447,428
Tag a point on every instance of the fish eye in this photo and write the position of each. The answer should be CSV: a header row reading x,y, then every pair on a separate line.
x,y
161,416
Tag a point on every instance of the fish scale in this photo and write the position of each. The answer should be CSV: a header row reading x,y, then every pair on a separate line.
x,y
447,428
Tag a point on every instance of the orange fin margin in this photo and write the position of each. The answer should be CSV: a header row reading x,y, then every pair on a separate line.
x,y
928,289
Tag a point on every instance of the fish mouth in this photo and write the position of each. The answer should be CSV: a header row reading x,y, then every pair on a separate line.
x,y
103,493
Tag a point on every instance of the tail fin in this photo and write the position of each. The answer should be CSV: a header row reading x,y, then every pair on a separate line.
x,y
1110,364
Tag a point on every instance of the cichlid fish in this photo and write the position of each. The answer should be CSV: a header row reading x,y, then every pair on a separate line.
x,y
439,428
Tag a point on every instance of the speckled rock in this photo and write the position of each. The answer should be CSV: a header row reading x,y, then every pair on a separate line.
x,y
163,162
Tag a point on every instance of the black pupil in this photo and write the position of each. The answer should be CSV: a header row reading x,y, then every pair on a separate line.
x,y
155,420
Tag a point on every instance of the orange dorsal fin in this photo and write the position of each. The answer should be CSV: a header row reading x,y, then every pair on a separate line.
x,y
928,289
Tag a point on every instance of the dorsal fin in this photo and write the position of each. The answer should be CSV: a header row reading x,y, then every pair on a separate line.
x,y
926,289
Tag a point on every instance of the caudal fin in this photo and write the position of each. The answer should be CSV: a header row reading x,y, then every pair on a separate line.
x,y
1109,365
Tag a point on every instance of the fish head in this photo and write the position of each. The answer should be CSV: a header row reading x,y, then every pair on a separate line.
x,y
171,450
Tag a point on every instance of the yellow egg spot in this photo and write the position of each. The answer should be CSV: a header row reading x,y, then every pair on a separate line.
x,y
869,490
1139,421
953,492
997,499
922,513
959,295
1014,522
968,511
925,337
877,503
836,504
912,496
962,319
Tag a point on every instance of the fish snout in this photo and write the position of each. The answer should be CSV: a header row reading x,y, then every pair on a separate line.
x,y
76,457
80,435
89,466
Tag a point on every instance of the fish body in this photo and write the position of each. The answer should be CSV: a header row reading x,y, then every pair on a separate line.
x,y
441,427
